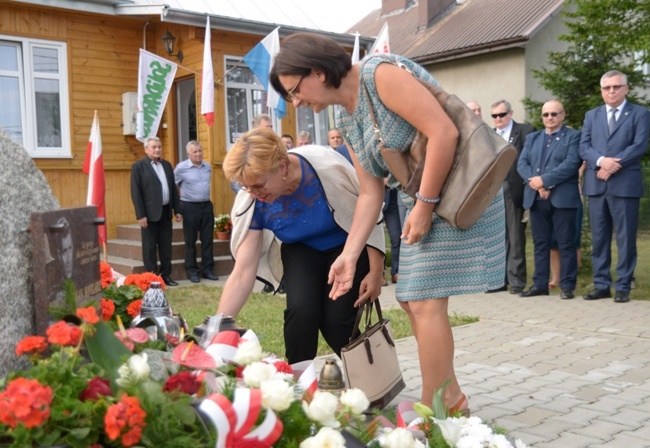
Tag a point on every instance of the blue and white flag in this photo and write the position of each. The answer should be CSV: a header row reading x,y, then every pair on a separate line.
x,y
260,60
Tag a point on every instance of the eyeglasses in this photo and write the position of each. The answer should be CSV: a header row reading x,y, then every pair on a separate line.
x,y
551,114
501,115
291,93
614,88
254,188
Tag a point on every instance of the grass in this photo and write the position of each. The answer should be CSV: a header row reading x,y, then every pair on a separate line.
x,y
265,314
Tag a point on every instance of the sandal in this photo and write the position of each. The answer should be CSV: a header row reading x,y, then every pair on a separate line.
x,y
461,407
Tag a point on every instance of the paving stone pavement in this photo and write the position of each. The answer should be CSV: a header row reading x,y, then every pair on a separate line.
x,y
554,373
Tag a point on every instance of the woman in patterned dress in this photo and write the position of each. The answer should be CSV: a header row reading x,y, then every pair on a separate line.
x,y
436,259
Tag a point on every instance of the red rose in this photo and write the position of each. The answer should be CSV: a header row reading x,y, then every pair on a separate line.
x,y
183,381
97,387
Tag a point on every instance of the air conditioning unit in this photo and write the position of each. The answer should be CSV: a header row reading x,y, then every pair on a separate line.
x,y
129,112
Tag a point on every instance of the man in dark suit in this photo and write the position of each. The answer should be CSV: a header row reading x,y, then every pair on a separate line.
x,y
550,164
614,138
154,195
513,195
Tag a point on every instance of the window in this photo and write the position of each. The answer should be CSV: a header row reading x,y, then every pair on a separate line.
x,y
245,98
317,125
641,66
34,95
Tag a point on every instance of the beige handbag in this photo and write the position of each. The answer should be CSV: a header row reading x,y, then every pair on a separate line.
x,y
481,162
370,359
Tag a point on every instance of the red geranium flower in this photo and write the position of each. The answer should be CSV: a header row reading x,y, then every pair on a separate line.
x,y
134,308
88,315
283,367
31,345
25,401
108,308
106,273
184,381
143,281
63,334
125,419
97,387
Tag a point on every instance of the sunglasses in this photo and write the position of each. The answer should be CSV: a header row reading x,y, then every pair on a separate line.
x,y
614,88
550,114
501,115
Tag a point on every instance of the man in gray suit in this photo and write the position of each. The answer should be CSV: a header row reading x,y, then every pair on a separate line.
x,y
513,195
614,139
549,163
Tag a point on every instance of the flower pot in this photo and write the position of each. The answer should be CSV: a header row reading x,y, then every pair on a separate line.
x,y
225,236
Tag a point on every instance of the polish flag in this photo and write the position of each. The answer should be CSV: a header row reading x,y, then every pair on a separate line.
x,y
207,79
382,43
94,167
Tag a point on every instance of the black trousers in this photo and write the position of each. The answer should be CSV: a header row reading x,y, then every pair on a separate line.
x,y
309,308
198,220
157,241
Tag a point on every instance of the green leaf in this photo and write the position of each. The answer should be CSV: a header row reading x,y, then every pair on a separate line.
x,y
107,351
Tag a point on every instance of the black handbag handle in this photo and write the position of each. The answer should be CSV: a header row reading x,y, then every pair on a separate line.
x,y
367,308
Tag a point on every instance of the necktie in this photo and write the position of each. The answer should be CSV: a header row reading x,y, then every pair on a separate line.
x,y
612,120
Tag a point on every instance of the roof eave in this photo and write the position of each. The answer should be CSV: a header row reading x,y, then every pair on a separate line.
x,y
462,53
190,18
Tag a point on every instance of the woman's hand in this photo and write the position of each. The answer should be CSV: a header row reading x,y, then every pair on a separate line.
x,y
418,222
341,275
370,288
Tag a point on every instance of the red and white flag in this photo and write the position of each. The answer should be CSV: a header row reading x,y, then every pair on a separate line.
x,y
382,43
94,167
207,79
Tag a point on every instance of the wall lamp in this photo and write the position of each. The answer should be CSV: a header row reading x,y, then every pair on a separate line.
x,y
168,41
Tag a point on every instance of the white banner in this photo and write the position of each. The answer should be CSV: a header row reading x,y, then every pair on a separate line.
x,y
155,78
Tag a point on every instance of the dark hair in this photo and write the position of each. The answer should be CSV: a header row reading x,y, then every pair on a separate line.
x,y
303,52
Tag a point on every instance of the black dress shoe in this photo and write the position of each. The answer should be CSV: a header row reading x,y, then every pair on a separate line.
x,y
567,294
534,291
598,294
622,297
210,276
169,282
195,278
503,288
268,289
516,290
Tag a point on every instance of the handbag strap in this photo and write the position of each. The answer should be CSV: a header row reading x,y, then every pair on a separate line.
x,y
389,59
367,309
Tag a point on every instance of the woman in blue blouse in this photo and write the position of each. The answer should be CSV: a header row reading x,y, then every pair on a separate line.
x,y
297,207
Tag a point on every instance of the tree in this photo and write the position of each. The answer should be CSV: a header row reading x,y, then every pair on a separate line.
x,y
602,35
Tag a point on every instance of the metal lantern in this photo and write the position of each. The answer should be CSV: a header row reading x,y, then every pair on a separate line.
x,y
156,316
331,377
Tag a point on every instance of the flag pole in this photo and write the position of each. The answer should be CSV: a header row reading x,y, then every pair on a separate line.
x,y
220,80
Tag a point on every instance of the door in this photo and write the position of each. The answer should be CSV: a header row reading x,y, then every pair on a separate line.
x,y
185,114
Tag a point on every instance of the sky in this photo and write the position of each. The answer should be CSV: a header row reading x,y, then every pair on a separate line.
x,y
325,15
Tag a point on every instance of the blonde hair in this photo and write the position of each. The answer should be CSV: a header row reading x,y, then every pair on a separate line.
x,y
257,152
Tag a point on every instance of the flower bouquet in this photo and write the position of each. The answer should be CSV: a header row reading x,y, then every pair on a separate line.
x,y
94,383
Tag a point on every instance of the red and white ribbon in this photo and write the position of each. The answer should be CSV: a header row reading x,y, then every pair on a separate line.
x,y
235,421
224,345
306,373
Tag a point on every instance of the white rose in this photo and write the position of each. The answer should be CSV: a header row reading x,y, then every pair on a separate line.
x,y
134,370
322,409
139,366
499,441
519,444
248,352
277,394
326,438
469,442
257,372
355,400
400,438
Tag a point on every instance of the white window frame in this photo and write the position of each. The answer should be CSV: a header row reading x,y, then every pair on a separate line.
x,y
277,123
28,99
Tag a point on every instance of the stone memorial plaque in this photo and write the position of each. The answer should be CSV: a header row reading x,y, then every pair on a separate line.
x,y
64,246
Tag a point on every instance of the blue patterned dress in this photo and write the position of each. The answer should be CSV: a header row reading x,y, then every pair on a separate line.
x,y
447,261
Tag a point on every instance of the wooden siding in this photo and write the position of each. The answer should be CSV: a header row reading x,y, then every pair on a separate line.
x,y
103,55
